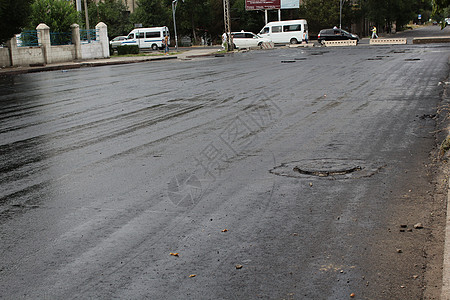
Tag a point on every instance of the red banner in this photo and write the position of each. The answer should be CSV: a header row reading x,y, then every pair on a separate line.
x,y
262,4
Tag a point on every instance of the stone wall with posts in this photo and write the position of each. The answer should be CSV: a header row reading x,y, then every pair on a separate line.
x,y
5,60
45,53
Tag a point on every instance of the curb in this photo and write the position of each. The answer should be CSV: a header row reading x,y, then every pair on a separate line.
x,y
445,291
71,66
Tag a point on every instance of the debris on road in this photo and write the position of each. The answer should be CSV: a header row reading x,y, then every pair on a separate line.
x,y
418,226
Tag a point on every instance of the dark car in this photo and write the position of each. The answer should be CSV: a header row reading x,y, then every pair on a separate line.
x,y
335,35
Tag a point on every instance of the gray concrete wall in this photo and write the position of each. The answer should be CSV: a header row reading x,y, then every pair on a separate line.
x,y
5,60
45,53
62,53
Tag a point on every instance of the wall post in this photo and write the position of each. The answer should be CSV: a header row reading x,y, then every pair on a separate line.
x,y
12,48
102,37
43,32
76,40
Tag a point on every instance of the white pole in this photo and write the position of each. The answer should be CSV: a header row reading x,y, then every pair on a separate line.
x,y
340,15
174,8
78,5
279,15
265,15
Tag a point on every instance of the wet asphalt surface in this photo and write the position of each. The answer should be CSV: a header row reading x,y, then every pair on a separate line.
x,y
282,174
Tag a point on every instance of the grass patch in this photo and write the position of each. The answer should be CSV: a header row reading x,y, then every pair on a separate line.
x,y
143,54
445,146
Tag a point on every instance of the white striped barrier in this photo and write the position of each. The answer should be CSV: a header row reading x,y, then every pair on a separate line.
x,y
398,41
340,43
267,45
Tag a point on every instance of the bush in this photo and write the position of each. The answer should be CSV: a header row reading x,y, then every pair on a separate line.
x,y
128,49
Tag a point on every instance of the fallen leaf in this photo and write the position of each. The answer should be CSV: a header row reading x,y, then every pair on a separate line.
x,y
352,295
192,275
225,230
239,267
174,253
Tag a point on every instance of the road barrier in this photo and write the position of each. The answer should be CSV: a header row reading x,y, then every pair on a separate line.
x,y
304,45
340,43
267,45
430,40
398,41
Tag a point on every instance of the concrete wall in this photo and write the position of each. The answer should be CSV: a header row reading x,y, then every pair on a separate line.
x,y
62,53
91,50
26,56
45,53
5,60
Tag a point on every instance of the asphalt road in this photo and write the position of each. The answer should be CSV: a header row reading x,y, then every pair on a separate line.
x,y
283,174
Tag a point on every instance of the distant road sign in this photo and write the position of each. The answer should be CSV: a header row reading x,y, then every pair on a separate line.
x,y
288,4
262,4
420,17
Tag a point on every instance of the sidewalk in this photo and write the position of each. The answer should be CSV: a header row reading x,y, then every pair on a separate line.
x,y
191,53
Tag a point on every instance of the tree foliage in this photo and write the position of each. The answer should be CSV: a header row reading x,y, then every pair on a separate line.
x,y
57,14
151,13
113,13
13,17
325,14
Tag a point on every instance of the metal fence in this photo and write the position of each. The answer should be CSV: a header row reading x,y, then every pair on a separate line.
x,y
88,36
27,38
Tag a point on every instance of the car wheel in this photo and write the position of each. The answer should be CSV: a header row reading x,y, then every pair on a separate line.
x,y
154,47
293,41
260,45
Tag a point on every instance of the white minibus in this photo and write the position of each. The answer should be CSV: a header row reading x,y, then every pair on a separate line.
x,y
283,32
147,37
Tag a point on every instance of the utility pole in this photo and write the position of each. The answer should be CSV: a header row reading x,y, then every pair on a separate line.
x,y
87,19
78,2
226,15
174,8
340,15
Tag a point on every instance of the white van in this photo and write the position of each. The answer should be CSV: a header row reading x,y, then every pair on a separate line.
x,y
147,37
283,32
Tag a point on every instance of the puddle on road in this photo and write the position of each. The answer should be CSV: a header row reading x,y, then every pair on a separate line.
x,y
327,168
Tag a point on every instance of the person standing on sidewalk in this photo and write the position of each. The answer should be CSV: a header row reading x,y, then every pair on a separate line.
x,y
374,33
166,44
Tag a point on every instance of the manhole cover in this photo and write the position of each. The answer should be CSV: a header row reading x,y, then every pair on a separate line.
x,y
327,168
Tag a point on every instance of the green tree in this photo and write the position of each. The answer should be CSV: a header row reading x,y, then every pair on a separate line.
x,y
325,14
13,17
248,20
151,13
193,18
57,14
113,13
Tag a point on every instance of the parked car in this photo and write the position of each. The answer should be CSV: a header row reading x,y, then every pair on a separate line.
x,y
117,41
245,39
335,34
